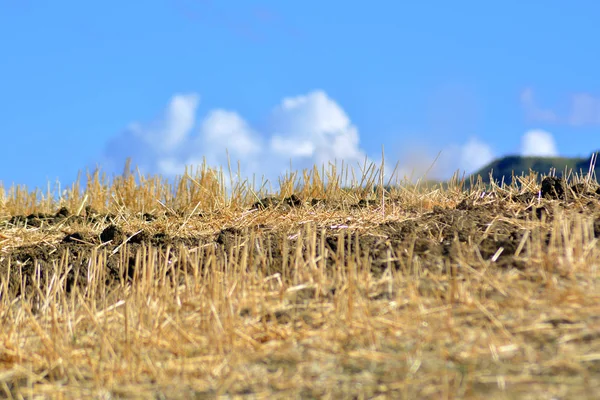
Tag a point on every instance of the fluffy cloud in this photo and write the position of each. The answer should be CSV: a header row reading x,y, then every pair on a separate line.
x,y
308,130
538,143
468,157
152,145
475,154
314,129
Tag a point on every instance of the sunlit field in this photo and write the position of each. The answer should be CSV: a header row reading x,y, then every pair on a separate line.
x,y
336,285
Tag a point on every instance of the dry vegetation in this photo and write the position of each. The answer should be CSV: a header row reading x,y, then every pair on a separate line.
x,y
136,288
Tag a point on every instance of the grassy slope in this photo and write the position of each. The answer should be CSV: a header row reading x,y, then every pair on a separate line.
x,y
504,168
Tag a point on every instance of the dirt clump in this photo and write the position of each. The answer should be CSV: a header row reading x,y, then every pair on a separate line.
x,y
74,237
363,203
35,220
112,233
553,188
63,212
271,201
148,217
226,237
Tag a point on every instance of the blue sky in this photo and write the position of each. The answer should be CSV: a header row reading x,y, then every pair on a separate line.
x,y
169,82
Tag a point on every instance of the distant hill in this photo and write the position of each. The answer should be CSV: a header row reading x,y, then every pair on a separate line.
x,y
505,166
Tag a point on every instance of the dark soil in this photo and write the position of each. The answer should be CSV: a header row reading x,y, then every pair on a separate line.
x,y
112,233
292,201
436,239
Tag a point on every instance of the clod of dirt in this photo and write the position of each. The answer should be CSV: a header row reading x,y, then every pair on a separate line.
x,y
159,239
579,188
365,203
90,214
29,253
315,202
553,188
266,202
74,237
37,219
112,233
227,237
331,243
17,220
540,212
63,212
245,312
293,201
89,211
148,217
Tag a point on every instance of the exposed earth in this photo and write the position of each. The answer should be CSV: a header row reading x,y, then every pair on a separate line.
x,y
490,223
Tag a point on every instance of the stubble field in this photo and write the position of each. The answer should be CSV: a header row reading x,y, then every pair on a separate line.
x,y
140,288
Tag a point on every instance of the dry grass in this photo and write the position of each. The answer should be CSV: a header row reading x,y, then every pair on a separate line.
x,y
420,293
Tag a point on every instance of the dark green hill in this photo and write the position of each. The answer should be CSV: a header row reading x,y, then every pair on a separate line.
x,y
505,167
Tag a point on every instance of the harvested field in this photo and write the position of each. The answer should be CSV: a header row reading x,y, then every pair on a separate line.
x,y
139,288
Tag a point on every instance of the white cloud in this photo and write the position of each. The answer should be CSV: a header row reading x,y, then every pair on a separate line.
x,y
585,110
538,143
415,160
533,111
314,129
468,157
223,129
308,130
176,124
154,144
294,148
475,154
